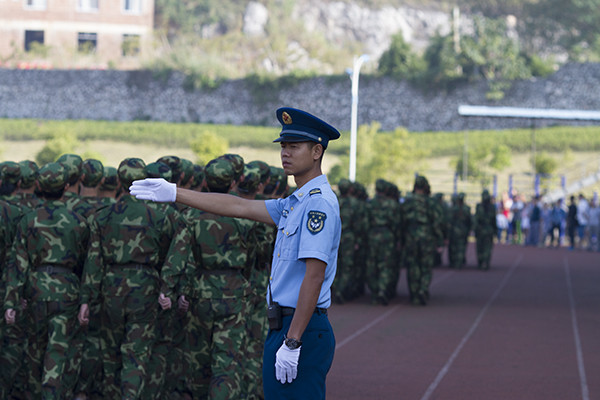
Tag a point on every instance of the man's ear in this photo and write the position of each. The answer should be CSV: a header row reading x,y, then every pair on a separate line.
x,y
317,151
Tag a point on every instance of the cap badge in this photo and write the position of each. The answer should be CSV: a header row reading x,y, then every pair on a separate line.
x,y
286,118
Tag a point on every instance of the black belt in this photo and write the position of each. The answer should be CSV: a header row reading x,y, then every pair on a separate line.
x,y
285,311
53,269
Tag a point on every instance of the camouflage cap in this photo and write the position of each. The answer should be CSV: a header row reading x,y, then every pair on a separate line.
x,y
198,177
111,179
92,172
72,163
250,181
282,179
187,167
422,184
29,173
11,172
275,179
263,167
381,185
174,163
219,174
344,186
131,169
485,195
53,177
461,196
237,162
159,170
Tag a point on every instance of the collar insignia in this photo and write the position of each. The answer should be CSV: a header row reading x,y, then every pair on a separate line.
x,y
315,191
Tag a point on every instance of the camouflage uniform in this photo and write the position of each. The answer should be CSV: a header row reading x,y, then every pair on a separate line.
x,y
342,288
422,233
135,238
459,228
13,336
219,292
51,246
167,363
484,226
256,320
109,184
381,262
29,171
362,225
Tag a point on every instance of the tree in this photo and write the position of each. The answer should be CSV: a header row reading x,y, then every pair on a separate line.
x,y
59,144
399,61
493,55
208,146
482,162
392,156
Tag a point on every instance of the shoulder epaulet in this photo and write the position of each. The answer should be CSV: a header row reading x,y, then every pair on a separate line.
x,y
315,191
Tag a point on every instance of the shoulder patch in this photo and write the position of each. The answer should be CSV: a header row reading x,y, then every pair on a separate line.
x,y
316,221
315,191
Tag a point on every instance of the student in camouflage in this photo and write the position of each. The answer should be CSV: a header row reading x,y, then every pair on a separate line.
x,y
256,321
484,226
422,235
382,244
341,290
135,239
459,229
218,292
26,186
53,247
107,192
13,336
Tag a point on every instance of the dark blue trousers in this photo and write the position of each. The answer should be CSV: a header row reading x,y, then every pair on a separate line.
x,y
316,356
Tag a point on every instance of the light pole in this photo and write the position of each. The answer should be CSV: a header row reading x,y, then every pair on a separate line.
x,y
358,62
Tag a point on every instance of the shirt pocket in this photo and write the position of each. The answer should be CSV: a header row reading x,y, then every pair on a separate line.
x,y
290,240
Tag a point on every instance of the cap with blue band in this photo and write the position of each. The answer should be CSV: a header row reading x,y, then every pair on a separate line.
x,y
300,126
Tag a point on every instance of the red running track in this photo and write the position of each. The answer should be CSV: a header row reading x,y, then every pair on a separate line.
x,y
529,328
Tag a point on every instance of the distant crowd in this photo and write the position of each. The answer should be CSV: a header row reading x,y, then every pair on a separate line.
x,y
575,224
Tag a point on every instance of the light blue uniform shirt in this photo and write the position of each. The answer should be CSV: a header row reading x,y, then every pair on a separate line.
x,y
308,226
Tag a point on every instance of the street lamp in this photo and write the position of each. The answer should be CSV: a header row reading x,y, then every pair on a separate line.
x,y
358,62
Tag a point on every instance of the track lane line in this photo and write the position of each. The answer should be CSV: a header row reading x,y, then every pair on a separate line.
x,y
585,393
440,376
383,316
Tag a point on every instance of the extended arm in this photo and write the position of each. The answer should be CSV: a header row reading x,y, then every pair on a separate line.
x,y
157,189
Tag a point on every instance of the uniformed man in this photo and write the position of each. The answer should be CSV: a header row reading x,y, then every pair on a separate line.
x,y
422,236
53,248
484,226
304,260
458,232
135,240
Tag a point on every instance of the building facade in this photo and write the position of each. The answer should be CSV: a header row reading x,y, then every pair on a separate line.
x,y
63,32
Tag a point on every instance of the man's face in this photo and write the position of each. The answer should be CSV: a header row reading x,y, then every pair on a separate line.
x,y
297,157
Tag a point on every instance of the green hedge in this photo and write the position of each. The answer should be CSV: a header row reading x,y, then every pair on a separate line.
x,y
551,139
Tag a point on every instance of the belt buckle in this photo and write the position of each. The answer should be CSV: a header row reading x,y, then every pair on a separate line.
x,y
49,269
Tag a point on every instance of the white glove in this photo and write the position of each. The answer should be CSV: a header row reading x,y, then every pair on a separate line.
x,y
286,363
155,189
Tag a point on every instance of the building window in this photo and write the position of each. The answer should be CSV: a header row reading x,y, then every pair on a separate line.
x,y
33,40
86,42
87,5
35,4
132,6
130,45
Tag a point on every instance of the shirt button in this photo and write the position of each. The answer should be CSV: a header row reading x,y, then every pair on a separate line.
x,y
277,256
292,208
